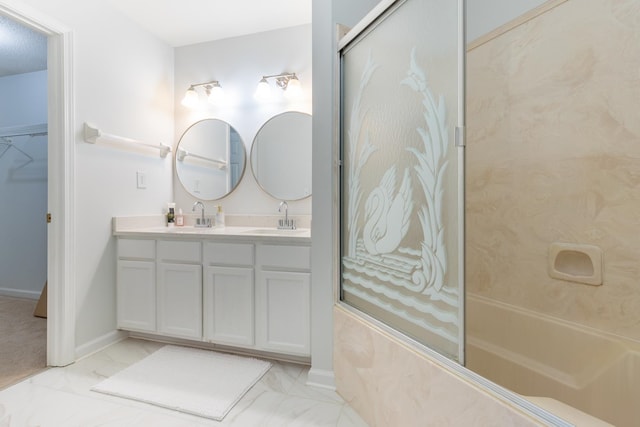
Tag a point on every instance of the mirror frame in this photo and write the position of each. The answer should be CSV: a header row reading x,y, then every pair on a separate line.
x,y
175,160
253,145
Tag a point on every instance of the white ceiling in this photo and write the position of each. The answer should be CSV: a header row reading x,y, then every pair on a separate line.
x,y
178,23
186,22
22,50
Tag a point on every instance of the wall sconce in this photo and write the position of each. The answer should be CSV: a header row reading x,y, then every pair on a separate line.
x,y
288,82
212,89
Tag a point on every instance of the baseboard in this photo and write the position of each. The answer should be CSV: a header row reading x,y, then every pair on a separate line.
x,y
321,378
219,347
19,293
100,343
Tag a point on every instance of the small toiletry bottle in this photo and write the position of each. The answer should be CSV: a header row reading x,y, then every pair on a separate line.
x,y
219,217
171,215
179,218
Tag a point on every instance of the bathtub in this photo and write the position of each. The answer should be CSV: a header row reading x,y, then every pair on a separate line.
x,y
538,356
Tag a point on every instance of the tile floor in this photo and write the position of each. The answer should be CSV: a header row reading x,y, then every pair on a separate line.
x,y
61,397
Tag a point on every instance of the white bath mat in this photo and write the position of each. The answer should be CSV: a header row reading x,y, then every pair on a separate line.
x,y
199,382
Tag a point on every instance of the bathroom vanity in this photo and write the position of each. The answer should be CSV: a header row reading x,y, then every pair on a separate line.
x,y
245,287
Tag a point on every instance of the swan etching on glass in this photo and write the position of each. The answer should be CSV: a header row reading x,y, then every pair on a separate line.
x,y
387,214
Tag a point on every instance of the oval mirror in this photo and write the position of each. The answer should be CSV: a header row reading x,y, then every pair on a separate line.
x,y
281,156
210,159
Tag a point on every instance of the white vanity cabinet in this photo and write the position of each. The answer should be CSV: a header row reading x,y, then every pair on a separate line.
x,y
283,298
229,293
236,291
179,288
136,285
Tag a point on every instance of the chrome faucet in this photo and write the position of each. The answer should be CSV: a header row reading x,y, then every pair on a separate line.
x,y
286,223
202,221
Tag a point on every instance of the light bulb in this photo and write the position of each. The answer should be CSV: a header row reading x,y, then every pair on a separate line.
x,y
263,91
215,94
191,98
294,88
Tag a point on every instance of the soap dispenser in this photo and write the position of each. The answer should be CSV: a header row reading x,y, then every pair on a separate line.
x,y
179,218
219,217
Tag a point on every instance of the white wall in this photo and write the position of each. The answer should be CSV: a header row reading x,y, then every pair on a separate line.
x,y
239,63
123,82
23,187
483,16
326,15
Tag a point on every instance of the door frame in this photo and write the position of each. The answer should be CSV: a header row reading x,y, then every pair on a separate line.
x,y
61,180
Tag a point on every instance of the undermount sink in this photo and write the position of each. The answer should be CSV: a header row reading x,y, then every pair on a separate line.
x,y
185,229
278,231
230,231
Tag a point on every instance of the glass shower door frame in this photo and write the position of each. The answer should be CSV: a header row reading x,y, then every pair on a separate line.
x,y
454,366
413,181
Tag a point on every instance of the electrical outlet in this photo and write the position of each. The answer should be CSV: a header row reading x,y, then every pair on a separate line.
x,y
141,179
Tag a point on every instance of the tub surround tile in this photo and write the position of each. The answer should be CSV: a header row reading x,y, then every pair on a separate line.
x,y
389,384
570,414
553,142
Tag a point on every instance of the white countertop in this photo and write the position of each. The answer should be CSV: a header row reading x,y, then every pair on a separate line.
x,y
153,227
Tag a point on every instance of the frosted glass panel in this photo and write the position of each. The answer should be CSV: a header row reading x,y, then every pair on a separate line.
x,y
400,222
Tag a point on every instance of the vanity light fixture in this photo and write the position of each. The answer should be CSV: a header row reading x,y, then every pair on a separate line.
x,y
212,89
288,82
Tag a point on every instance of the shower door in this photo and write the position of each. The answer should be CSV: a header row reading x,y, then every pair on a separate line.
x,y
401,121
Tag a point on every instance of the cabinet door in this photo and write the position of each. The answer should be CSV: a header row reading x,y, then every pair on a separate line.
x,y
136,295
180,300
283,307
229,306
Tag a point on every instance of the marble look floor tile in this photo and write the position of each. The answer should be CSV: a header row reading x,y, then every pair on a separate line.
x,y
254,409
289,378
301,389
350,418
52,408
298,412
62,397
282,376
79,377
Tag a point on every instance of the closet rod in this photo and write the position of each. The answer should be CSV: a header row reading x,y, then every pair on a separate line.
x,y
29,130
91,135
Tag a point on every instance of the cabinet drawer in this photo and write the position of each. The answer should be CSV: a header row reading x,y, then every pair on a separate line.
x,y
175,251
136,248
228,254
278,256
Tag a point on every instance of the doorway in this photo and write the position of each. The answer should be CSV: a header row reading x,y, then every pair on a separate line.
x,y
60,275
23,190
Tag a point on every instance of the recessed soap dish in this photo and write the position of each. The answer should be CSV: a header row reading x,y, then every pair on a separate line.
x,y
576,263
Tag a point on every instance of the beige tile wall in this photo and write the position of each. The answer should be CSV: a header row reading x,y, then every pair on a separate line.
x,y
553,155
391,385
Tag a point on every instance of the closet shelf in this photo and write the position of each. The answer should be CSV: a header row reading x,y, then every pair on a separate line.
x,y
29,130
92,134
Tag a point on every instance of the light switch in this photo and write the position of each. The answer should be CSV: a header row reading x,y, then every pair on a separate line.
x,y
141,179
